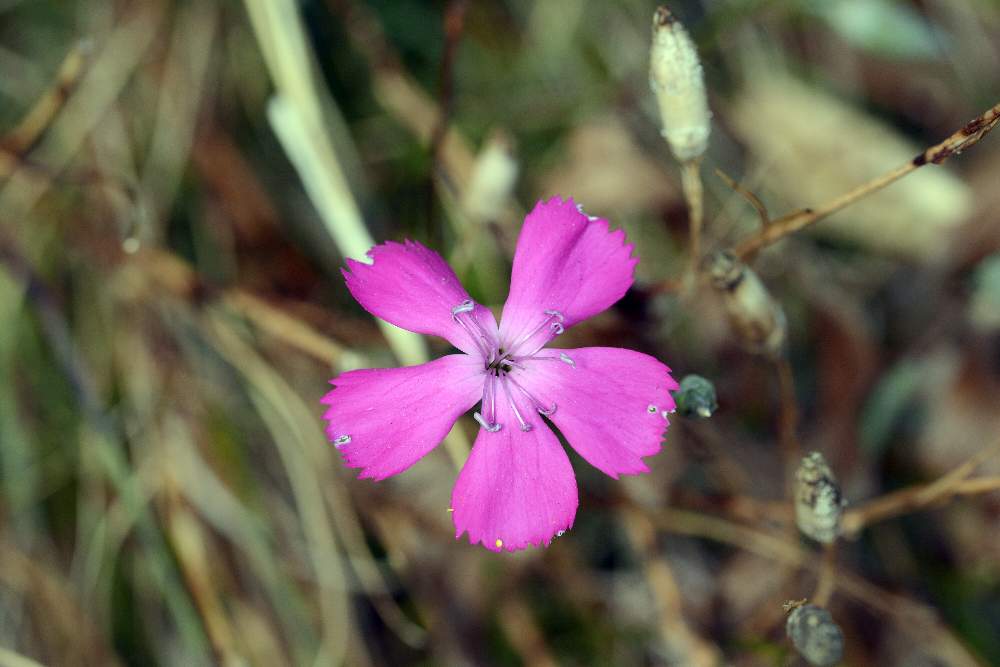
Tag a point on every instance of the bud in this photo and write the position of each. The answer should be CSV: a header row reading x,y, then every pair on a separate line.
x,y
815,634
755,316
677,80
696,397
818,501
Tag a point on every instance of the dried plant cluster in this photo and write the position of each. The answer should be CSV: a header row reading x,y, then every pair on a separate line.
x,y
180,183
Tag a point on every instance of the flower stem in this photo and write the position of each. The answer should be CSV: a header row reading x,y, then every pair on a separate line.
x,y
694,197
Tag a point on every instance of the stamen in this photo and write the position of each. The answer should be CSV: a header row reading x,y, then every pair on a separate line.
x,y
489,406
525,426
563,357
472,327
557,328
490,397
534,401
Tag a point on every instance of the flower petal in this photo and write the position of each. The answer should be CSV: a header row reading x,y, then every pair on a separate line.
x,y
611,404
384,420
517,488
567,262
414,288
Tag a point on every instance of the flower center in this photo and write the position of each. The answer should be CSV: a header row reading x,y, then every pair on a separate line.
x,y
503,365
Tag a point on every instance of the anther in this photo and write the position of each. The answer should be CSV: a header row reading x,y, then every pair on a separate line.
x,y
466,306
472,327
492,428
535,403
556,328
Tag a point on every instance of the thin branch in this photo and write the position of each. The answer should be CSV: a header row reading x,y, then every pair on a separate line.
x,y
681,641
964,138
827,580
913,499
917,497
918,620
749,196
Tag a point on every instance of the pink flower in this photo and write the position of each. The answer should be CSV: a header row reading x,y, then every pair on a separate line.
x,y
517,487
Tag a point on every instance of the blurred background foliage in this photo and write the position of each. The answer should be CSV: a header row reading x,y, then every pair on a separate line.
x,y
180,184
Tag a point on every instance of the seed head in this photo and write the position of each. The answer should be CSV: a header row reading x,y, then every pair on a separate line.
x,y
677,80
819,504
755,316
815,635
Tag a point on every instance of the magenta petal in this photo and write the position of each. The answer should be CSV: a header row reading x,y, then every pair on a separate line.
x,y
516,489
384,420
566,262
414,288
611,404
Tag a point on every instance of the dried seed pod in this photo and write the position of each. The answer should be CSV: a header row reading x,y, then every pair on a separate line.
x,y
677,80
696,397
815,635
819,504
756,317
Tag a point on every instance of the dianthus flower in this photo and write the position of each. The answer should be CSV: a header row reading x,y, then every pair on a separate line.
x,y
517,486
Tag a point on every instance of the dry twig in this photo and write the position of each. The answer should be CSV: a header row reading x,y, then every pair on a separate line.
x,y
686,646
964,138
951,485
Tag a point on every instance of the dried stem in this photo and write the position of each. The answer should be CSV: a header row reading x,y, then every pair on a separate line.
x,y
749,196
827,576
520,629
955,483
189,543
40,117
916,619
679,639
964,138
174,275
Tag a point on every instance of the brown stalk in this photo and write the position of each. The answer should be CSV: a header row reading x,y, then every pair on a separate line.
x,y
519,627
967,136
955,483
689,647
186,535
31,127
173,274
920,621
